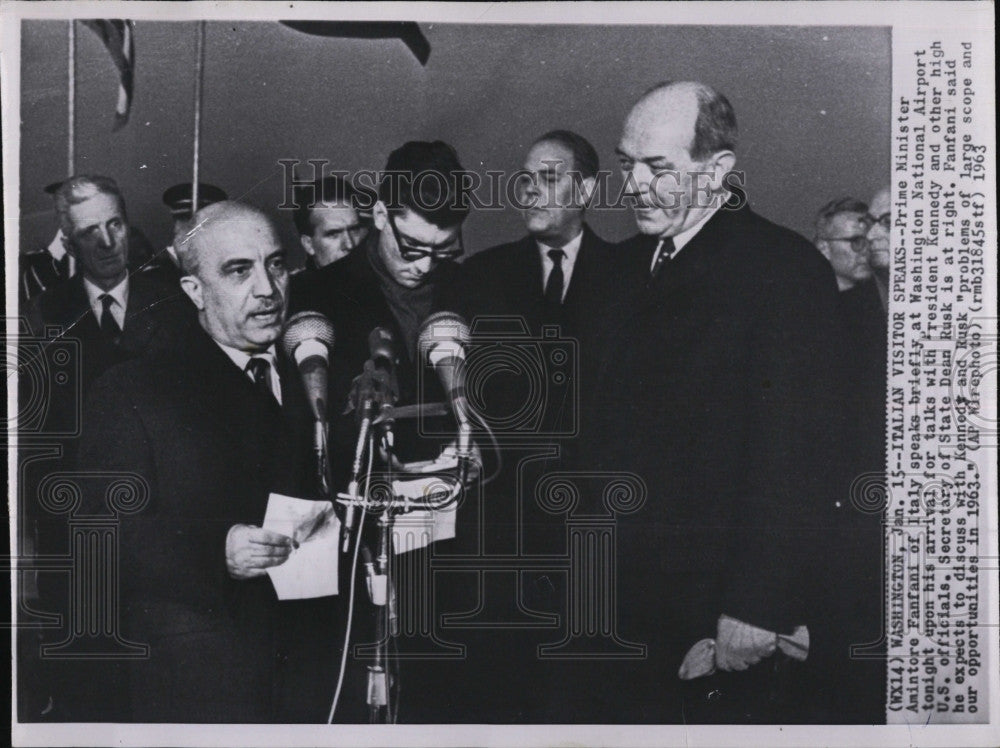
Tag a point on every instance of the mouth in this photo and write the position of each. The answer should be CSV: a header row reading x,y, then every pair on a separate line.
x,y
267,316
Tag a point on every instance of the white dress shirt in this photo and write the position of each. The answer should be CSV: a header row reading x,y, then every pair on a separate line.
x,y
120,295
242,358
572,249
684,237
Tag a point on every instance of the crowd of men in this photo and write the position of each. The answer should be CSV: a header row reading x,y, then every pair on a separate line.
x,y
712,347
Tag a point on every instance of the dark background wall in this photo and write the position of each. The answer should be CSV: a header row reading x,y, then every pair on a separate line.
x,y
812,103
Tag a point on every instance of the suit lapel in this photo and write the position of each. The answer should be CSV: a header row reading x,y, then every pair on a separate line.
x,y
583,270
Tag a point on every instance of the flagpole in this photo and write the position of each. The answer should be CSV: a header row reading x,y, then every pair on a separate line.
x,y
71,102
199,79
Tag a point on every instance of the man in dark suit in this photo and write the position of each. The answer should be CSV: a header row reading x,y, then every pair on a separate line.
x,y
719,390
393,280
559,275
108,317
843,228
212,426
43,268
554,274
112,313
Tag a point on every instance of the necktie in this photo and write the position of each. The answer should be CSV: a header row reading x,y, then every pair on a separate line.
x,y
664,253
554,285
109,327
259,369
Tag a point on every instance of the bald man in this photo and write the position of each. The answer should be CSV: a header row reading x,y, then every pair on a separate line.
x,y
212,428
720,390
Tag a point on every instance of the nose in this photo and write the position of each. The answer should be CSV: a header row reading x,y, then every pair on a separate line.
x,y
105,240
264,284
642,175
422,266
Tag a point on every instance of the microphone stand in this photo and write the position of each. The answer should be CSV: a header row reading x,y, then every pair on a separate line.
x,y
320,432
386,623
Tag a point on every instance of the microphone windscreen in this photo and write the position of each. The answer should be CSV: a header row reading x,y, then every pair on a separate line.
x,y
304,326
442,329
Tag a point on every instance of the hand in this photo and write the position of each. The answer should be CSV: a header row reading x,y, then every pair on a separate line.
x,y
739,645
251,549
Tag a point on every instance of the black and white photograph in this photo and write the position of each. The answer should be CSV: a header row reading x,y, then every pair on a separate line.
x,y
501,373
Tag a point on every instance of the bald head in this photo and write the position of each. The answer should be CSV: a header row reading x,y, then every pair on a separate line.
x,y
235,274
700,111
216,225
675,151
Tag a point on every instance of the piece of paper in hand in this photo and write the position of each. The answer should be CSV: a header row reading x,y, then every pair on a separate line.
x,y
311,569
420,528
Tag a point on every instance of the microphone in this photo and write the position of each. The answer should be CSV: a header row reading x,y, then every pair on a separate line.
x,y
382,353
308,340
382,349
441,342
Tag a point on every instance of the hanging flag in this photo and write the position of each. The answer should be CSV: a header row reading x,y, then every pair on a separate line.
x,y
118,38
407,32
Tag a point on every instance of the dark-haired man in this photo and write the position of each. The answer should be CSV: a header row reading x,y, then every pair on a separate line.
x,y
393,281
555,273
328,221
720,391
394,277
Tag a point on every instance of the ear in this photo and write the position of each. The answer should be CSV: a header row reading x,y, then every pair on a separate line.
x,y
307,245
380,215
192,287
823,247
721,164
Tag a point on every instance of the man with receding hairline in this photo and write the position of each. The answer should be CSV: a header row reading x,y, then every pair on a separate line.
x,y
213,427
719,389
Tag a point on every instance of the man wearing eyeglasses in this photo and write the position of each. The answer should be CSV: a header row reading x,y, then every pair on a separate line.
x,y
841,236
879,217
392,279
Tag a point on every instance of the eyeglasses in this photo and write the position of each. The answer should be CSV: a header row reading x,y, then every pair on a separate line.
x,y
884,220
858,243
413,253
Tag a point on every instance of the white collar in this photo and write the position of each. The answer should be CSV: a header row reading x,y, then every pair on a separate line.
x,y
688,234
685,236
242,358
571,248
119,293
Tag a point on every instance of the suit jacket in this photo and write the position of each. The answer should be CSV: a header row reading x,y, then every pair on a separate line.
x,y
720,389
348,293
507,280
157,315
210,449
39,270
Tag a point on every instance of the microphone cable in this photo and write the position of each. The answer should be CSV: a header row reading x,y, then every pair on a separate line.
x,y
350,603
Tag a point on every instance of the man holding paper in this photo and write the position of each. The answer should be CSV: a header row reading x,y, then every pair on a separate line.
x,y
212,430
